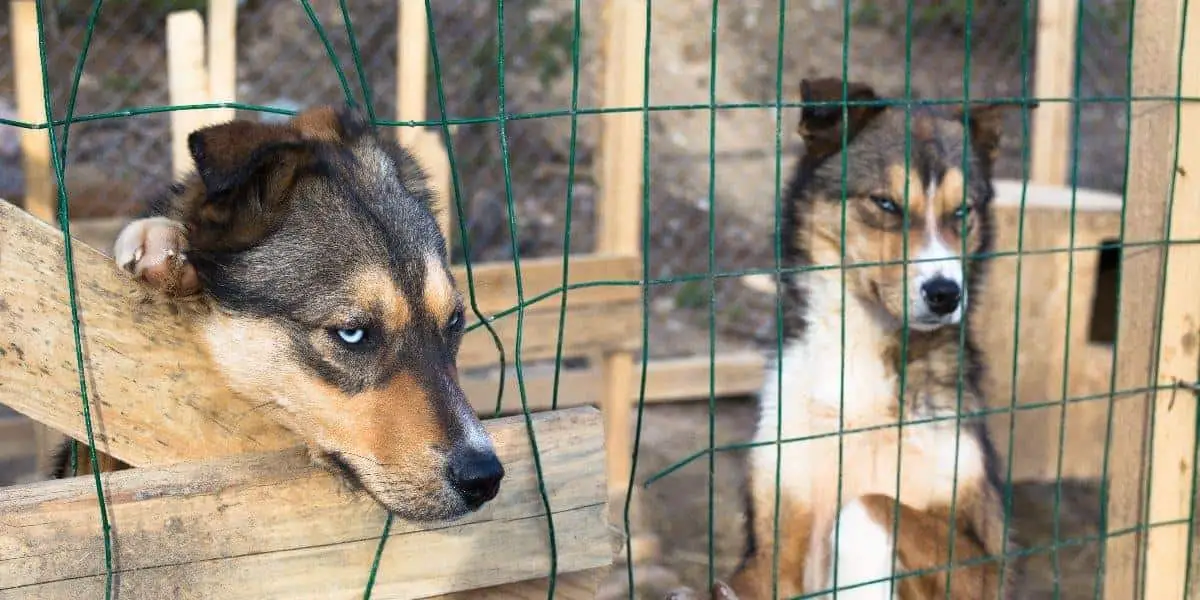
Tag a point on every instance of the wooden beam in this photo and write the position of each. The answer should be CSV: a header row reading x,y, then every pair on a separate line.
x,y
1156,44
619,209
273,526
222,57
40,198
1054,78
667,380
1174,412
187,82
124,341
412,73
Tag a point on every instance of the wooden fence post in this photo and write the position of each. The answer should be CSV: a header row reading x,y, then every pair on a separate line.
x,y
619,209
1141,362
412,70
1054,76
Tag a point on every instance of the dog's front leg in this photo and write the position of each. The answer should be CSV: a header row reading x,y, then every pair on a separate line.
x,y
154,251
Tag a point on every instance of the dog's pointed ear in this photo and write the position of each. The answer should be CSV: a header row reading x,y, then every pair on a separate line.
x,y
821,126
986,123
247,169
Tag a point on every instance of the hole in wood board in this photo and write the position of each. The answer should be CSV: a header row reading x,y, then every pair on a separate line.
x,y
1103,327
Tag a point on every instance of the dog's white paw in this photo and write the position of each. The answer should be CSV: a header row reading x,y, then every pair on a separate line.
x,y
154,252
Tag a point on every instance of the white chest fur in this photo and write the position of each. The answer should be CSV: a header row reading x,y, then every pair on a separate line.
x,y
817,382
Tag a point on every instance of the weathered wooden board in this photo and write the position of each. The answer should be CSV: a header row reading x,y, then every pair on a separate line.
x,y
272,526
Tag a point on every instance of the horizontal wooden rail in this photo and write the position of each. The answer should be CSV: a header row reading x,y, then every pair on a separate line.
x,y
272,526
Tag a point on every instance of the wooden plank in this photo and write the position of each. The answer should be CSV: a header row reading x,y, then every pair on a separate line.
x,y
412,72
667,380
222,57
568,586
1174,412
1155,69
273,526
40,197
1054,78
589,327
496,289
619,223
187,82
123,341
737,374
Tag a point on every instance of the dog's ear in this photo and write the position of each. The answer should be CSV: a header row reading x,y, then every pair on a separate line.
x,y
821,126
247,169
986,123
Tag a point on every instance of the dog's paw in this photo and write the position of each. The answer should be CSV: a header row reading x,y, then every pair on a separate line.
x,y
722,591
154,252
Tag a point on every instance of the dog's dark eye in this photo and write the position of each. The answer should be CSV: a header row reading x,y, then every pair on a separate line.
x,y
457,321
886,205
351,337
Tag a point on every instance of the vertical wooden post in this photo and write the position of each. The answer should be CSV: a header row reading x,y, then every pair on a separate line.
x,y
1156,41
222,57
41,199
187,79
619,210
1055,74
31,108
412,69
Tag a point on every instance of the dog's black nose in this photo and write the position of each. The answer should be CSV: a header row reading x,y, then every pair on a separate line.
x,y
942,295
476,474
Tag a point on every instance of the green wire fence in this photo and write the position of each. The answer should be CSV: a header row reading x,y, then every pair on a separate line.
x,y
1125,109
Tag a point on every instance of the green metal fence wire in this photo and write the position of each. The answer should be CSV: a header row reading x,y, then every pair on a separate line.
x,y
712,274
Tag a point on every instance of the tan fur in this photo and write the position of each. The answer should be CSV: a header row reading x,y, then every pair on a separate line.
x,y
440,295
374,291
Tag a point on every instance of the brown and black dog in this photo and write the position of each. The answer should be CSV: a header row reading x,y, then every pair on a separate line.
x,y
879,501
321,274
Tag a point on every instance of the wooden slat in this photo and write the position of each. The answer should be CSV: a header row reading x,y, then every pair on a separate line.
x,y
123,342
1055,73
1156,37
40,197
618,215
222,57
1174,412
412,71
589,328
187,81
272,526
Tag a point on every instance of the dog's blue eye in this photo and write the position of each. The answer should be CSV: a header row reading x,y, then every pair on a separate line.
x,y
962,211
886,205
352,336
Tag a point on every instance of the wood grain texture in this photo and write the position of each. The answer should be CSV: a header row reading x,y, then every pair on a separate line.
x,y
154,397
1054,76
1173,441
40,197
272,526
1156,45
